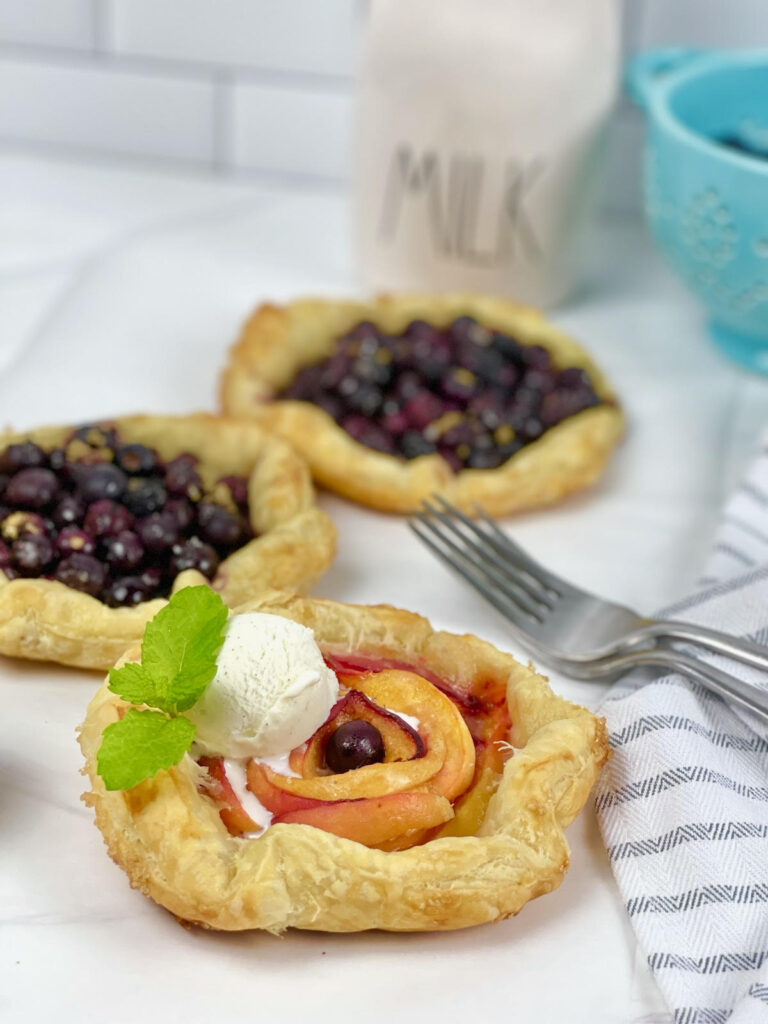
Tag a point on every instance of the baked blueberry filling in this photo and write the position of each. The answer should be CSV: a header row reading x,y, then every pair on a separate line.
x,y
473,395
114,520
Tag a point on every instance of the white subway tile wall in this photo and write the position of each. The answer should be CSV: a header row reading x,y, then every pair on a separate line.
x,y
299,130
317,36
257,86
112,109
66,23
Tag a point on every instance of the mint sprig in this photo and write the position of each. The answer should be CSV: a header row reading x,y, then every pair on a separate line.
x,y
140,745
178,661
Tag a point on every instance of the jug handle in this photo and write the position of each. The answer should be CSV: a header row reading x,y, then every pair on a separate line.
x,y
646,70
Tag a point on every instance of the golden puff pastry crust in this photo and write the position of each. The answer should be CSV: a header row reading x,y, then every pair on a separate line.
x,y
172,844
277,341
46,620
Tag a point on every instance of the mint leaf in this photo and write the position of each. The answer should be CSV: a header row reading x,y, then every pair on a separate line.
x,y
180,646
140,745
132,684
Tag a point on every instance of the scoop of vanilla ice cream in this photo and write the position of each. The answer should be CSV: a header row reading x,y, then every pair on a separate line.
x,y
271,690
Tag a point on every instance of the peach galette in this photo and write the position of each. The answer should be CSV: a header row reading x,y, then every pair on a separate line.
x,y
99,524
472,397
333,767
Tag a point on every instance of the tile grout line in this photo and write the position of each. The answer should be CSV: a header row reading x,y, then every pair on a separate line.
x,y
223,109
101,28
174,165
170,67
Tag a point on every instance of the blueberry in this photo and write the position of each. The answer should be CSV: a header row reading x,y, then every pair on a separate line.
x,y
393,420
506,451
333,371
99,481
355,425
181,480
538,380
353,745
367,433
562,403
72,539
484,458
145,495
460,433
511,349
137,459
573,377
194,554
536,357
460,384
305,384
420,329
365,399
126,592
422,409
452,457
238,489
408,385
463,328
25,455
182,511
32,553
525,403
412,444
124,551
57,460
158,531
530,429
32,488
365,329
106,518
81,572
377,438
152,577
70,510
96,435
331,404
217,525
488,406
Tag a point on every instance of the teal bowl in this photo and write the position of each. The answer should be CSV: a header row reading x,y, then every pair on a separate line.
x,y
706,183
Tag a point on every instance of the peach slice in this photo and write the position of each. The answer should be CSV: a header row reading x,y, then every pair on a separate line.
x,y
376,820
471,808
401,742
439,719
231,810
275,799
372,780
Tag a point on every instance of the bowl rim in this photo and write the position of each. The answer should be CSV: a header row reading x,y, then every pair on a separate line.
x,y
661,95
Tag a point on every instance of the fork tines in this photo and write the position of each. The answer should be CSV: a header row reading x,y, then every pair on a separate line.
x,y
484,556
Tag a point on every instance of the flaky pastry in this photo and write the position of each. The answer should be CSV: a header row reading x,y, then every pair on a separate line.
x,y
277,341
169,838
295,543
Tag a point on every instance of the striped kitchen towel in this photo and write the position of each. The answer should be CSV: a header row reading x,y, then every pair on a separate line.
x,y
683,803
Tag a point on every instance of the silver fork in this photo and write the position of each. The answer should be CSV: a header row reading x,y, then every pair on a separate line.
x,y
572,630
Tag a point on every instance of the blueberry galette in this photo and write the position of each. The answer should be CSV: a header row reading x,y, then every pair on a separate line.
x,y
100,524
471,397
431,789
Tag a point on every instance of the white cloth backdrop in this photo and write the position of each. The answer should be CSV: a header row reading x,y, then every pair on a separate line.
x,y
683,803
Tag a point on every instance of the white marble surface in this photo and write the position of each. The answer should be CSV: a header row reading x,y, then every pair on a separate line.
x,y
120,290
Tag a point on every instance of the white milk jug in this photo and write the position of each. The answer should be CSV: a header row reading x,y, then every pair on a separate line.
x,y
479,130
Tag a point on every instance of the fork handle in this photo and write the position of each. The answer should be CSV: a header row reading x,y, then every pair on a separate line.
x,y
726,686
745,651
